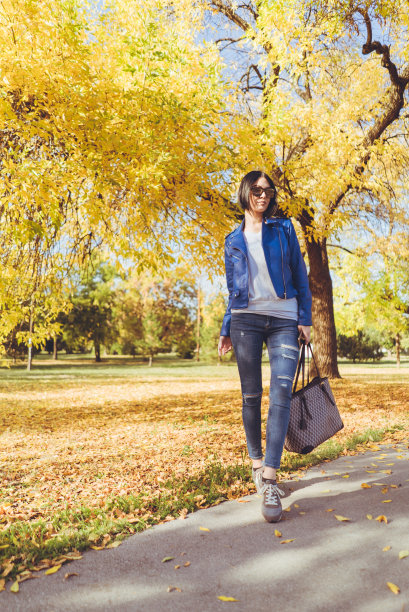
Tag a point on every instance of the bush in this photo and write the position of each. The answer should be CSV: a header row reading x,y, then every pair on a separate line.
x,y
359,347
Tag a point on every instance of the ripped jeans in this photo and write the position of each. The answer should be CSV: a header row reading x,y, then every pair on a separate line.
x,y
248,332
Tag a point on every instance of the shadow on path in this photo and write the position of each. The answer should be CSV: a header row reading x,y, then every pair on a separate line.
x,y
329,565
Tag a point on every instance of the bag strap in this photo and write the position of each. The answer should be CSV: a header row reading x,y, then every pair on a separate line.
x,y
312,355
301,363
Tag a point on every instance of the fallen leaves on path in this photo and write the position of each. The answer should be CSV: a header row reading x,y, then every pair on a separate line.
x,y
53,570
226,598
341,518
393,587
287,541
381,518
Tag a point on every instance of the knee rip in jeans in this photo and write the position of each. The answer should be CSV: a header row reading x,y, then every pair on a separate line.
x,y
292,348
251,399
285,378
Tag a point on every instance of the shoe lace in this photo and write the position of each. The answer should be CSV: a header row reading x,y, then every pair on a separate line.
x,y
272,494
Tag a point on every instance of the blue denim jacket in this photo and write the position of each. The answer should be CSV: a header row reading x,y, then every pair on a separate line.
x,y
284,262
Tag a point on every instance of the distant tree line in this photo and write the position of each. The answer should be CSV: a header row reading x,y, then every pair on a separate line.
x,y
142,316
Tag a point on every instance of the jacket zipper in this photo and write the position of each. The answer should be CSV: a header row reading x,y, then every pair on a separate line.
x,y
282,264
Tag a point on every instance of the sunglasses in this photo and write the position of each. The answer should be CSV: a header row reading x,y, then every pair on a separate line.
x,y
257,191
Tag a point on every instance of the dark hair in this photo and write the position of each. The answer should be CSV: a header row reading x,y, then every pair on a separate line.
x,y
244,192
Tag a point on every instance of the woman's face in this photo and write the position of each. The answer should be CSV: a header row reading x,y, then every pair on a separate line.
x,y
259,203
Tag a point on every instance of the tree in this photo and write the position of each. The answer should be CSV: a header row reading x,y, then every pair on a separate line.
x,y
373,289
359,346
112,123
154,315
91,316
322,97
212,316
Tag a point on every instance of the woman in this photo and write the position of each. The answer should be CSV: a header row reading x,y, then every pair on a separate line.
x,y
269,301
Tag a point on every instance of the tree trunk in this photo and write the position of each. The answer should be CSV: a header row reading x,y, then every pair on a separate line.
x,y
198,325
97,349
150,361
30,341
325,338
397,341
55,352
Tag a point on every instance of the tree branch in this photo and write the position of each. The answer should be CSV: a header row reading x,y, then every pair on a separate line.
x,y
375,45
392,103
225,8
338,246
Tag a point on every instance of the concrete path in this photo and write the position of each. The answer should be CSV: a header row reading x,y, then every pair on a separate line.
x,y
331,565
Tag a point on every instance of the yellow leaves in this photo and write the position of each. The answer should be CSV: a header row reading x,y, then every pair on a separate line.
x,y
204,529
381,519
53,570
15,587
8,567
277,533
226,598
166,559
2,584
386,501
386,548
393,587
365,485
287,541
369,517
341,518
403,554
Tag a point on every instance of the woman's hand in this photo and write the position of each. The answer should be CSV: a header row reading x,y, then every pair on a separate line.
x,y
224,345
305,332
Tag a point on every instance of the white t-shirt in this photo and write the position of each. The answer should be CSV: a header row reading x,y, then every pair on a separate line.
x,y
262,295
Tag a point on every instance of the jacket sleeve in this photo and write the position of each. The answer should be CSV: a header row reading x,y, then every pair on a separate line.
x,y
225,330
300,280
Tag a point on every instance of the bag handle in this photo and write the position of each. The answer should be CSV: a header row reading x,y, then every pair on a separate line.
x,y
309,348
301,364
305,348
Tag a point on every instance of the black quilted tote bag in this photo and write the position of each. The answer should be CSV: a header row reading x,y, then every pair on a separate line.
x,y
314,415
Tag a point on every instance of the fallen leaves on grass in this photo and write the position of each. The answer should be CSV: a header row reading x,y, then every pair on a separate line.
x,y
72,442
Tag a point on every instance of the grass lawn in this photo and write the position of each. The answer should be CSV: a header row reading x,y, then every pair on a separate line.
x,y
93,452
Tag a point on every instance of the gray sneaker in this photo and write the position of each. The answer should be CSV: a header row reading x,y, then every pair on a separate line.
x,y
257,474
271,504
